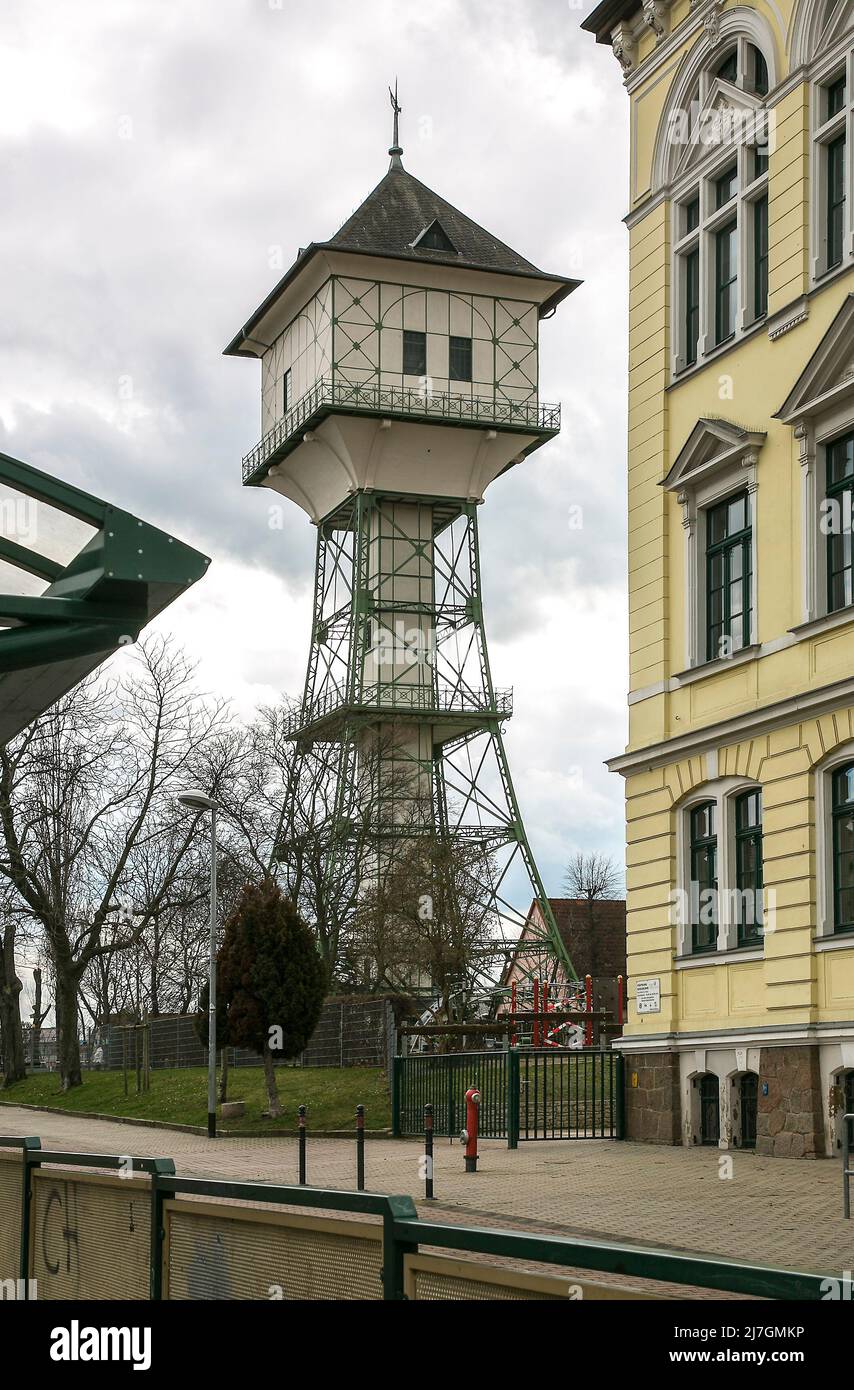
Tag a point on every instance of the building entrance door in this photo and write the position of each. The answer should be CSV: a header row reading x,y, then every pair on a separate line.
x,y
748,1092
710,1110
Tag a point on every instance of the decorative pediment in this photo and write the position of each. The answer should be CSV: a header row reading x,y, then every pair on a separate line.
x,y
828,377
712,445
729,117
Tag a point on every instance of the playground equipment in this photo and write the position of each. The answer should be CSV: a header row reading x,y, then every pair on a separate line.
x,y
540,1015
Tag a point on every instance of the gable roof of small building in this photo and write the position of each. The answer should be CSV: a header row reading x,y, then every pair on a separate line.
x,y
572,919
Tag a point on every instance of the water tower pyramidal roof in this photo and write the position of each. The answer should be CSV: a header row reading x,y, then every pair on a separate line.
x,y
403,219
397,213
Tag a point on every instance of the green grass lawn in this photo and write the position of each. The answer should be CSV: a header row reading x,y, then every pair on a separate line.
x,y
180,1096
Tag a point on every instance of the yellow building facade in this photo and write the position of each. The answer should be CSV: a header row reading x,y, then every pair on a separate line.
x,y
739,771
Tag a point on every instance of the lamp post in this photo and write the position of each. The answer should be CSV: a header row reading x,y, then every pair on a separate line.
x,y
200,801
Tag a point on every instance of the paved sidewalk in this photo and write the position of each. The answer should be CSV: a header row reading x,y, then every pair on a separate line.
x,y
783,1212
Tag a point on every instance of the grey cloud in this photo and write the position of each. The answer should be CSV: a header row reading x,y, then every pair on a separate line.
x,y
255,127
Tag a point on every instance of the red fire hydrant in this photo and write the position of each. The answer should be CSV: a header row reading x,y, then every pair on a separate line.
x,y
469,1134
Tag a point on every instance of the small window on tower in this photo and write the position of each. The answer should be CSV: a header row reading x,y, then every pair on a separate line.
x,y
460,359
286,391
414,353
434,238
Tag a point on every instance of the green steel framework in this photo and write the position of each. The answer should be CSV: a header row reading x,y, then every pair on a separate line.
x,y
362,593
80,610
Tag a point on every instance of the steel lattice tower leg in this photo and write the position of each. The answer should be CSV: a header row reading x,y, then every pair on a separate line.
x,y
400,712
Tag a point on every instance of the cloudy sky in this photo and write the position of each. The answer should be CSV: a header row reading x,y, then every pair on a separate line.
x,y
159,155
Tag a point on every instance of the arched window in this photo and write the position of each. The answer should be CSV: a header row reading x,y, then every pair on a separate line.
x,y
728,69
833,126
749,915
842,847
713,149
745,66
704,877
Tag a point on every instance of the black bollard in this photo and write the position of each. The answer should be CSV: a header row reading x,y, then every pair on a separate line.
x,y
302,1146
360,1148
428,1152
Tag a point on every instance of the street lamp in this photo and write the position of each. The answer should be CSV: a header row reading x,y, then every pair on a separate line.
x,y
200,801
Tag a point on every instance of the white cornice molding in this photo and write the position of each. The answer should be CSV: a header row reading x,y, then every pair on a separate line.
x,y
770,1035
725,732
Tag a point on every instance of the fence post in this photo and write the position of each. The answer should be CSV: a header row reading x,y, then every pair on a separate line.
x,y
428,1152
451,1076
394,1248
29,1146
620,1095
158,1233
396,1078
512,1084
301,1113
360,1148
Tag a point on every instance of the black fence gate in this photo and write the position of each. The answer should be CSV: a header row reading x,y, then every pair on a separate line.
x,y
525,1093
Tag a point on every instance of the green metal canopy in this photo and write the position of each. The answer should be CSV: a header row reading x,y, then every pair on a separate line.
x,y
79,578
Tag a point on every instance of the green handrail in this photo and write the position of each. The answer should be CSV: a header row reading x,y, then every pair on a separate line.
x,y
404,1231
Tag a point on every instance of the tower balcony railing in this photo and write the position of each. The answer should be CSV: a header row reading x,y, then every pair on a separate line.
x,y
396,402
405,699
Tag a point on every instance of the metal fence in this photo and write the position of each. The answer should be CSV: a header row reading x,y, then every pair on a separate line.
x,y
569,1095
351,1033
100,1226
442,1081
525,1093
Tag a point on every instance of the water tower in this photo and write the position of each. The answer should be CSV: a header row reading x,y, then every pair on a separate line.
x,y
399,366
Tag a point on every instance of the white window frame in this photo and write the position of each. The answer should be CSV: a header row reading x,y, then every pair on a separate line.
x,y
700,182
736,476
814,434
823,132
824,923
723,793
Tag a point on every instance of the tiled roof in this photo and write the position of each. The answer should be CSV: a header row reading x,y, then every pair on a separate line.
x,y
400,208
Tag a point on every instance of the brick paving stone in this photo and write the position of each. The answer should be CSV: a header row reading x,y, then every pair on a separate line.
x,y
773,1211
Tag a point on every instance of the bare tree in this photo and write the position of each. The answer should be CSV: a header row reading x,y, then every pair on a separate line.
x,y
12,1058
594,878
39,1015
427,920
79,796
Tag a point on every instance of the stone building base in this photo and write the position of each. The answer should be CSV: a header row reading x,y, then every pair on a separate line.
x,y
798,1092
790,1118
652,1097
